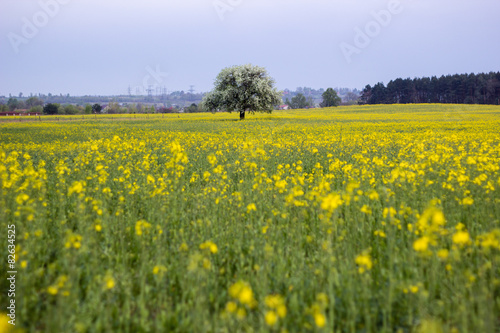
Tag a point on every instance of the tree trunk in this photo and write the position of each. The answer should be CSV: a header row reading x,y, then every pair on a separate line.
x,y
242,115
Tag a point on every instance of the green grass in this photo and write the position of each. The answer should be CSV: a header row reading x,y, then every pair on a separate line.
x,y
338,211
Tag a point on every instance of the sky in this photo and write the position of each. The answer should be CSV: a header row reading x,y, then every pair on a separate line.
x,y
103,47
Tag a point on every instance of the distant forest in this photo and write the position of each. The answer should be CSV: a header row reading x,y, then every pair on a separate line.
x,y
457,89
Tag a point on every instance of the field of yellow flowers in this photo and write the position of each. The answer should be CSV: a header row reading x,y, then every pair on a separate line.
x,y
353,219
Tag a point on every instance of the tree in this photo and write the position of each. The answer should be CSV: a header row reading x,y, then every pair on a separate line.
x,y
351,97
330,98
13,103
37,109
70,109
299,102
482,88
51,108
114,107
132,108
243,88
96,108
33,101
88,109
191,109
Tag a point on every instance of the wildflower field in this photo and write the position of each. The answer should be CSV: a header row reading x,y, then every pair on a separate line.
x,y
352,219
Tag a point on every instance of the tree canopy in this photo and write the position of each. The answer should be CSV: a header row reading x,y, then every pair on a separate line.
x,y
458,89
243,88
96,108
51,108
330,98
299,102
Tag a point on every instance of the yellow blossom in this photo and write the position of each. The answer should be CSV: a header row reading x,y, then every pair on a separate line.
x,y
461,238
319,319
251,207
421,244
364,262
271,318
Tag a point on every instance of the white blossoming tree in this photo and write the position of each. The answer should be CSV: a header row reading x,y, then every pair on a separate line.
x,y
243,88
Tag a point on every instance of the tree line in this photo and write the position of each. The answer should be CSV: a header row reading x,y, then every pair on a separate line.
x,y
483,88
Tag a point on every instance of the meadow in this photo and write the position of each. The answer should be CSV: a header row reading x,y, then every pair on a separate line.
x,y
351,219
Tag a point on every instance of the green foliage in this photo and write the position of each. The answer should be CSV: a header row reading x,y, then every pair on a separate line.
x,y
88,109
191,109
299,102
330,98
51,108
70,109
34,101
13,103
96,108
243,88
189,223
457,89
113,108
36,109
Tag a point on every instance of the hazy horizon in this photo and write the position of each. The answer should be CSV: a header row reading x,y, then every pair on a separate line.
x,y
103,47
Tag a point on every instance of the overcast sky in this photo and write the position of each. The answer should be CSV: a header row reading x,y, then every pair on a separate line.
x,y
101,47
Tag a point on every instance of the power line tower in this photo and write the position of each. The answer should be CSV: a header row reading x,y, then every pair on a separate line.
x,y
191,92
163,93
129,90
150,92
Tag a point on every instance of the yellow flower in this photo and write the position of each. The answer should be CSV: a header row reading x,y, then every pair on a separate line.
x,y
142,226
373,195
5,327
52,290
251,207
331,202
490,240
109,282
461,238
77,187
243,293
365,209
212,247
443,254
364,262
438,218
421,244
241,313
281,310
273,301
22,198
159,269
246,295
319,319
271,318
212,159
467,201
231,307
